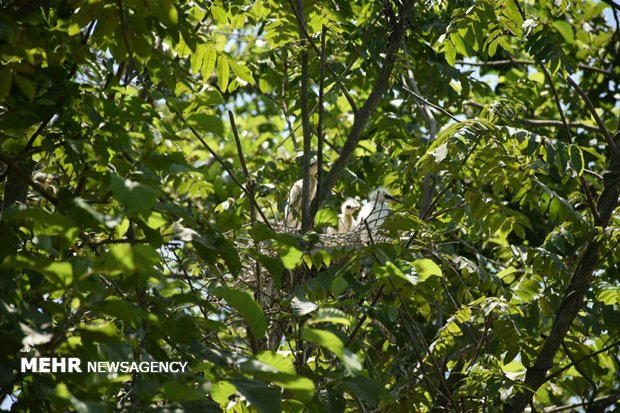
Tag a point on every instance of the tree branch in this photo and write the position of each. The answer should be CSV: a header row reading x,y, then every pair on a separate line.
x,y
600,402
555,374
251,185
580,282
612,145
558,104
543,123
305,118
381,86
319,129
587,377
512,62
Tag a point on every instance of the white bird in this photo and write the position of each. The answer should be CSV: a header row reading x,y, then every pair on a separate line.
x,y
346,220
292,212
376,209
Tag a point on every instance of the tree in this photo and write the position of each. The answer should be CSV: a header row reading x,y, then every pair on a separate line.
x,y
147,150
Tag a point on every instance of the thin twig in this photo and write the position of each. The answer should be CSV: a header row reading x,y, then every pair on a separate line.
x,y
285,106
579,360
364,317
233,125
434,106
585,375
558,104
227,169
610,142
555,123
420,337
508,62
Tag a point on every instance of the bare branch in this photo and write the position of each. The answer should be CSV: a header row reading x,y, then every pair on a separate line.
x,y
305,116
233,125
434,106
319,129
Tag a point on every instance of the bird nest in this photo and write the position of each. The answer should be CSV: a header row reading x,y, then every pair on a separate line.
x,y
358,237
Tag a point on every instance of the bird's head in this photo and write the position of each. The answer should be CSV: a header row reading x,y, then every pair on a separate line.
x,y
381,195
314,167
350,206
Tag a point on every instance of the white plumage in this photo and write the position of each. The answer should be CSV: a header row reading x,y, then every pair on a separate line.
x,y
292,212
376,209
346,220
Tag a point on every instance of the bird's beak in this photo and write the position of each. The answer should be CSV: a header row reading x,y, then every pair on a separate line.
x,y
393,199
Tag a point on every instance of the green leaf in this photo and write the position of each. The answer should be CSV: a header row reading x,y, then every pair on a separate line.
x,y
126,258
265,399
206,123
208,62
219,14
450,52
609,296
276,368
179,392
223,73
121,309
277,361
287,250
243,72
59,274
576,159
5,82
26,86
229,253
221,392
365,388
330,315
244,303
197,59
426,268
565,30
137,198
50,224
332,342
261,232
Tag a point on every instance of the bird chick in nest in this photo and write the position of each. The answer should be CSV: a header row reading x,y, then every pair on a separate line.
x,y
346,220
376,209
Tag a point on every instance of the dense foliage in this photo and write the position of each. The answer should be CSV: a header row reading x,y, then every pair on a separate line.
x,y
147,151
